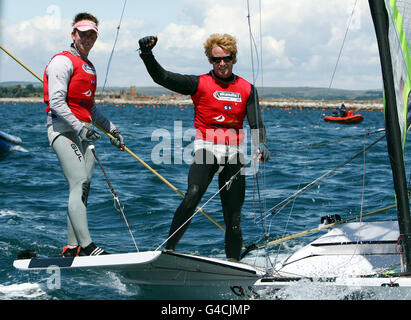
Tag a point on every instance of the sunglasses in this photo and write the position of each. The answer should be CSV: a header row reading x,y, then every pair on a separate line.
x,y
225,59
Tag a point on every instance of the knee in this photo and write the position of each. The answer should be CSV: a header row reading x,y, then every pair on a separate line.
x,y
192,196
86,189
234,229
193,192
233,224
82,188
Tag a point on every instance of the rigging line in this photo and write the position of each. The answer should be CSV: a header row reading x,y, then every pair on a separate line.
x,y
161,177
275,209
322,227
116,198
262,83
361,212
341,49
261,47
293,199
342,46
112,50
331,81
314,145
328,89
252,45
226,185
257,115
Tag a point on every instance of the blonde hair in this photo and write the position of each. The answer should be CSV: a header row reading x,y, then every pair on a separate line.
x,y
225,41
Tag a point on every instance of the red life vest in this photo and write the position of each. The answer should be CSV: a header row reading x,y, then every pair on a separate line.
x,y
220,109
81,88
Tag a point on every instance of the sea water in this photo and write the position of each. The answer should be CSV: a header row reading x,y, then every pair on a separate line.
x,y
34,193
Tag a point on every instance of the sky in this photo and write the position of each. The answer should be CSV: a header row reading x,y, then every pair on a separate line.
x,y
296,43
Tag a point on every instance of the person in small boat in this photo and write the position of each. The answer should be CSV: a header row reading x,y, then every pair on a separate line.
x,y
343,111
222,100
69,86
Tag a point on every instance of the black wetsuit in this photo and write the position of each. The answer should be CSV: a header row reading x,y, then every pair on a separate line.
x,y
202,172
343,111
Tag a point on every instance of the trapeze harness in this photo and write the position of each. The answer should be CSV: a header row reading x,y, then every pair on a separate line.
x,y
220,109
81,89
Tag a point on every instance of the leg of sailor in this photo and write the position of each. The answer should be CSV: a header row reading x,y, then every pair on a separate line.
x,y
232,199
77,163
201,173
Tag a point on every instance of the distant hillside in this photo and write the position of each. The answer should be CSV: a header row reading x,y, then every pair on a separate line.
x,y
319,93
20,83
151,91
293,92
266,92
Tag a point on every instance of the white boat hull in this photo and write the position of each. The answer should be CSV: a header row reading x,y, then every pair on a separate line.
x,y
163,275
352,256
351,249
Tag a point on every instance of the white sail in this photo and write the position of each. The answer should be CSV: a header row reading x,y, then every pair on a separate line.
x,y
399,34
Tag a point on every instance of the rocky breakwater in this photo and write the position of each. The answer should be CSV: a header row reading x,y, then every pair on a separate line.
x,y
179,100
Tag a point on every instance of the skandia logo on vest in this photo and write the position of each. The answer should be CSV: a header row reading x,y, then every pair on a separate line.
x,y
227,96
89,69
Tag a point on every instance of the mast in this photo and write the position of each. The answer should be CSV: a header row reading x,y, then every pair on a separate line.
x,y
393,132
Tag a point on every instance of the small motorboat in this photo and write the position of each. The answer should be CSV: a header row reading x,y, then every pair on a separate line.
x,y
350,118
7,141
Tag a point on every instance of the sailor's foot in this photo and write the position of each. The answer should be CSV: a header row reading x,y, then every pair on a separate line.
x,y
70,251
91,250
168,250
233,260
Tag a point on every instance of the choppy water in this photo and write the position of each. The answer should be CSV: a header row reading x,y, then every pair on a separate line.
x,y
34,192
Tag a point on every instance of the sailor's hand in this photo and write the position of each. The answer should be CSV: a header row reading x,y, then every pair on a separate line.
x,y
264,154
117,140
147,44
89,135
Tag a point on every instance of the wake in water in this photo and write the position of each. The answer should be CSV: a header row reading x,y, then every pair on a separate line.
x,y
18,148
23,291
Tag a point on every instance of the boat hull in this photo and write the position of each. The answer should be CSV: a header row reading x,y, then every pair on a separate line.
x,y
163,275
357,118
350,249
7,141
352,257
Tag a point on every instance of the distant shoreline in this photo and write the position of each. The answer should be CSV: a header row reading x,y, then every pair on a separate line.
x,y
265,102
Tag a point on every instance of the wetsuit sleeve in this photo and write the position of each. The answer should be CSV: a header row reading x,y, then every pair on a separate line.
x,y
59,72
101,120
180,83
258,133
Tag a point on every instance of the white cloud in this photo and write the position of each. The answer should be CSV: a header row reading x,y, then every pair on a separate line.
x,y
301,41
181,36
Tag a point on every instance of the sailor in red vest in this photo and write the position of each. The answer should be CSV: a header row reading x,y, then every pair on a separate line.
x,y
222,100
69,87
